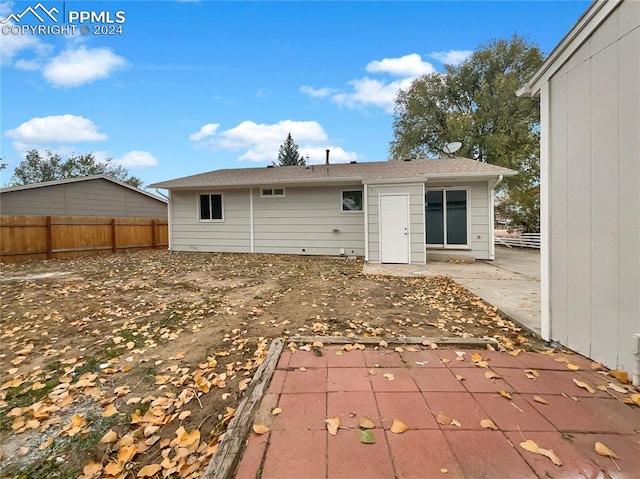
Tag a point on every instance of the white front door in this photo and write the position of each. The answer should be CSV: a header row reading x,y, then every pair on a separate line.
x,y
394,229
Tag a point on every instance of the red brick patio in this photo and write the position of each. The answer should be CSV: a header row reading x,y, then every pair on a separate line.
x,y
310,388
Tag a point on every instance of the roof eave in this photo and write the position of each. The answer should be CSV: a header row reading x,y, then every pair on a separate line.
x,y
597,12
256,184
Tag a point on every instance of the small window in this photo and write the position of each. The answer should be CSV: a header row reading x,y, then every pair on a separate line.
x,y
352,200
211,207
447,217
271,192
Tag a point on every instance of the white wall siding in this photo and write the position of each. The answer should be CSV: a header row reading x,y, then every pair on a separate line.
x,y
188,233
307,220
416,219
479,228
594,176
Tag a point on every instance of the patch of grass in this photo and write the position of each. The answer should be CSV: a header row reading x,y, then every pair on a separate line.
x,y
20,398
91,365
44,468
136,339
111,352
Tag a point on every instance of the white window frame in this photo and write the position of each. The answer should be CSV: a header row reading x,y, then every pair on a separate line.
x,y
444,189
273,195
221,220
351,212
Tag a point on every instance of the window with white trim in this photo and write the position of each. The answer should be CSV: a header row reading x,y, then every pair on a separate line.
x,y
447,217
271,192
211,208
351,200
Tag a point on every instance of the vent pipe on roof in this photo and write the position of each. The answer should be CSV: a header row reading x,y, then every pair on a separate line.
x,y
327,160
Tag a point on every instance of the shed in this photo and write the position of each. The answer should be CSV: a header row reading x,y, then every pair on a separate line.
x,y
590,186
96,195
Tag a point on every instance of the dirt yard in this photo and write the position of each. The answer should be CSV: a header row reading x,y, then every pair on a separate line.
x,y
131,365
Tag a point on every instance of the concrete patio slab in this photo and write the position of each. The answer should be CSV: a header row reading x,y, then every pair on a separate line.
x,y
298,444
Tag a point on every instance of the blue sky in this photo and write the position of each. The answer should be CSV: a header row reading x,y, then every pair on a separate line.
x,y
191,86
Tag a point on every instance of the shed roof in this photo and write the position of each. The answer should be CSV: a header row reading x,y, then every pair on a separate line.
x,y
368,172
65,181
597,12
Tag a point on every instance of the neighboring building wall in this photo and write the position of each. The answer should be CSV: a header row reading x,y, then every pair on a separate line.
x,y
416,219
188,233
480,224
85,198
594,183
307,220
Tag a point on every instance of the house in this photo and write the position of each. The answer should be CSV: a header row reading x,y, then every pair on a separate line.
x,y
590,186
388,211
96,195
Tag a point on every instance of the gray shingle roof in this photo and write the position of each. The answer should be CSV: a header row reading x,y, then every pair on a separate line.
x,y
368,172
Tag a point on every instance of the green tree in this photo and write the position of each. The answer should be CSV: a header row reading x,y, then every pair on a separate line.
x,y
475,103
288,154
36,169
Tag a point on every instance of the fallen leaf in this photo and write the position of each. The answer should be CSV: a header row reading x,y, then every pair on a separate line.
x,y
126,453
23,451
596,366
531,446
365,423
109,437
489,424
443,419
367,437
276,411
112,469
504,394
455,423
333,423
398,427
184,415
584,385
532,372
573,367
445,360
92,469
109,411
260,429
398,349
444,470
389,376
476,357
46,444
540,400
636,399
459,378
605,451
383,344
492,375
621,376
149,470
617,388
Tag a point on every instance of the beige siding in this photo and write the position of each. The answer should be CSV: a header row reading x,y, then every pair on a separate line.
x,y
188,233
416,219
595,193
479,228
307,221
97,197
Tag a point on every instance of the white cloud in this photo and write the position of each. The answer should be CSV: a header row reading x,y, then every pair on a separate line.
x,y
137,159
259,142
30,65
410,65
451,57
56,129
11,45
82,65
375,92
204,132
317,92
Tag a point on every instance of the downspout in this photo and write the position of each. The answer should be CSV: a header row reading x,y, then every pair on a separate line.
x,y
168,198
636,353
251,233
365,200
492,221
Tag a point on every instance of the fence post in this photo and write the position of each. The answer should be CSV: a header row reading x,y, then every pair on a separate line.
x,y
154,242
49,238
114,243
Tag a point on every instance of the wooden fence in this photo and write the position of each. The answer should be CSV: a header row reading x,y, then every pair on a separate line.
x,y
24,238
